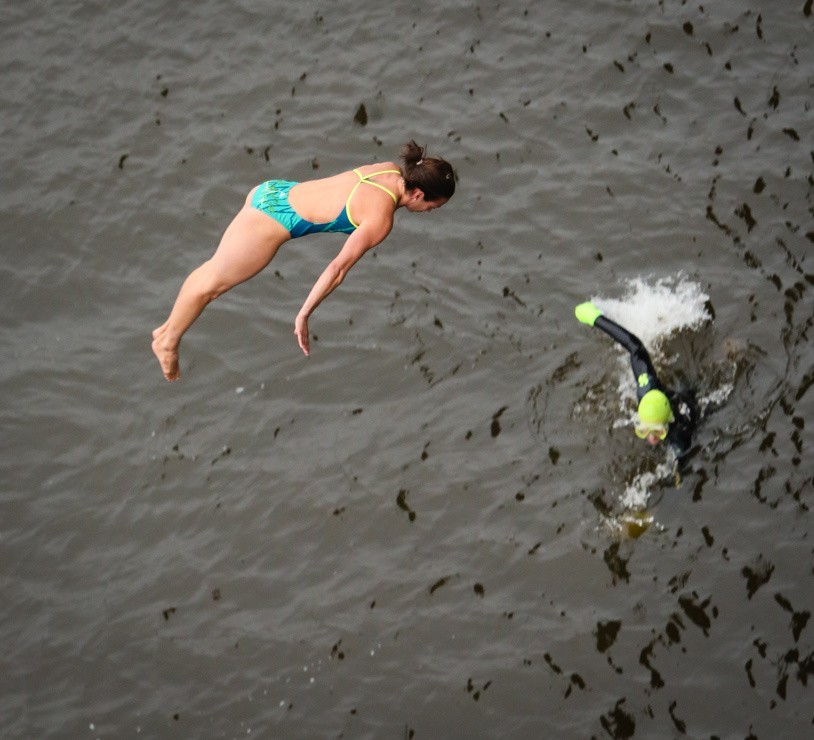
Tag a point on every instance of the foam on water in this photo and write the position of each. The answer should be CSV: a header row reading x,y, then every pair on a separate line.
x,y
654,307
715,397
637,493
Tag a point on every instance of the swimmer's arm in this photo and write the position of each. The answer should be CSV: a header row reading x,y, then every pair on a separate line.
x,y
589,314
367,236
629,341
640,361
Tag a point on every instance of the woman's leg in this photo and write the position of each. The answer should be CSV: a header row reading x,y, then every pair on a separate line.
x,y
247,246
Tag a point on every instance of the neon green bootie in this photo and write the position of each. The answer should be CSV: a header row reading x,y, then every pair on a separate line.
x,y
587,313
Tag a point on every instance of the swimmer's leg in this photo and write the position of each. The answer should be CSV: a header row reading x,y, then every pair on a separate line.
x,y
248,245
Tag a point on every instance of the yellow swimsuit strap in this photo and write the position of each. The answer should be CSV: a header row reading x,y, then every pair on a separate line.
x,y
366,179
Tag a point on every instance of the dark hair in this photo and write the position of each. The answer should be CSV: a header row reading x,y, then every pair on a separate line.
x,y
432,175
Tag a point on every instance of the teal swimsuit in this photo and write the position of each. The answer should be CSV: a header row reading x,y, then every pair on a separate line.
x,y
272,199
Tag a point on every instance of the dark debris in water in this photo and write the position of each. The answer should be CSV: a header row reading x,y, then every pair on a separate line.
x,y
656,681
703,477
554,667
495,426
440,582
673,628
678,582
616,564
696,612
597,498
568,365
765,473
574,680
758,575
509,293
749,675
474,692
805,668
618,723
807,382
745,213
401,502
680,725
606,634
799,620
336,652
360,117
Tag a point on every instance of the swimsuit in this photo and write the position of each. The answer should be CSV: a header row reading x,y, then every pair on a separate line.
x,y
272,199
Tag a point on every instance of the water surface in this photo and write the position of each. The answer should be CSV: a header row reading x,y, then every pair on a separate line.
x,y
406,534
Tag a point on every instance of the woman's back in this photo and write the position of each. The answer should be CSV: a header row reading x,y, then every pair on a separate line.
x,y
320,201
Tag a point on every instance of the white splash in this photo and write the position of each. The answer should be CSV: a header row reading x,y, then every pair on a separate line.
x,y
652,308
637,492
716,397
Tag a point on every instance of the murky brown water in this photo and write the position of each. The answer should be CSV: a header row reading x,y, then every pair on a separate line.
x,y
405,535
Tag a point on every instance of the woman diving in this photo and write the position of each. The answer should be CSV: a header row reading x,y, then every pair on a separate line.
x,y
359,202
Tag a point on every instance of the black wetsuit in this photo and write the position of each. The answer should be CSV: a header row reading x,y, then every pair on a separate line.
x,y
683,404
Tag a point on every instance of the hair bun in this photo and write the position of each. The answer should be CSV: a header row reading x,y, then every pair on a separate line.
x,y
432,175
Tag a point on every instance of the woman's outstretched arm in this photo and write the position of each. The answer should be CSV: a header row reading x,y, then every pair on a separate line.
x,y
367,236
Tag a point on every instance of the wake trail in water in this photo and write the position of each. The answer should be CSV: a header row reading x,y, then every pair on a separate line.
x,y
654,309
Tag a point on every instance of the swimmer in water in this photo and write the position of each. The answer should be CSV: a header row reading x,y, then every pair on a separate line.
x,y
663,415
359,202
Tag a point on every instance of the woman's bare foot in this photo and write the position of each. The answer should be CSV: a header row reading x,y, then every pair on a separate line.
x,y
167,353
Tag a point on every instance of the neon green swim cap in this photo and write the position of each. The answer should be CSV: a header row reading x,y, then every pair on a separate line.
x,y
654,408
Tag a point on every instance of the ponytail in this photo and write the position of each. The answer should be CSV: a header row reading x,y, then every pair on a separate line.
x,y
432,175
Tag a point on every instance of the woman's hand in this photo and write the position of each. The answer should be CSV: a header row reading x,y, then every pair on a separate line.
x,y
366,236
301,330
